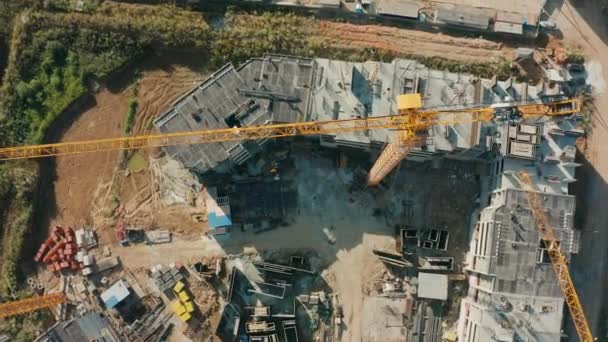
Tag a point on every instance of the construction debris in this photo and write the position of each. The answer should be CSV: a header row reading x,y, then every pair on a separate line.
x,y
175,183
106,264
157,236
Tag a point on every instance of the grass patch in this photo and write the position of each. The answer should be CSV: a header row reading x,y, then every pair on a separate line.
x,y
131,113
136,163
74,5
25,328
53,55
17,184
53,71
247,36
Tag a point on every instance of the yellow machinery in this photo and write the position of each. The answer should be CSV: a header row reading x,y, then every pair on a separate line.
x,y
558,260
30,304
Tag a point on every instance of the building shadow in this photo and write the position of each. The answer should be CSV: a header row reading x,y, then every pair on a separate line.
x,y
593,12
551,6
588,267
283,296
346,223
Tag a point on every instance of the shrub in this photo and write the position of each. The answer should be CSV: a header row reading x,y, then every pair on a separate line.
x,y
575,56
130,120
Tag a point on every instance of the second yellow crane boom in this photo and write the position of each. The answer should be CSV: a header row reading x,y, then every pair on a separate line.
x,y
31,304
558,259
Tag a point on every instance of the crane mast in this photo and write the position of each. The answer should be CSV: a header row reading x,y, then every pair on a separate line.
x,y
558,260
391,156
416,121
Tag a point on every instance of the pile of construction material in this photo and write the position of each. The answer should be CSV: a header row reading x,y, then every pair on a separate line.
x,y
88,261
59,250
158,236
165,277
85,238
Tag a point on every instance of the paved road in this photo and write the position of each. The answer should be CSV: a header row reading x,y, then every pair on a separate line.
x,y
584,26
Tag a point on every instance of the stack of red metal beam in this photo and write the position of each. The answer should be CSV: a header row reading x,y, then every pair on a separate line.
x,y
59,250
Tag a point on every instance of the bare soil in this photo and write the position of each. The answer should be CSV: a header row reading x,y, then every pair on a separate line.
x,y
95,189
406,41
157,89
77,176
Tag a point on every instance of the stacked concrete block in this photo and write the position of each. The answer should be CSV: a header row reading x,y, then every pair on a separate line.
x,y
165,277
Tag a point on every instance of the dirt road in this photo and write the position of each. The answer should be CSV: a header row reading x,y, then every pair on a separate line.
x,y
157,89
585,27
179,250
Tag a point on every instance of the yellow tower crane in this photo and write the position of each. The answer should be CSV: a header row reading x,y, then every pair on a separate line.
x,y
409,122
558,260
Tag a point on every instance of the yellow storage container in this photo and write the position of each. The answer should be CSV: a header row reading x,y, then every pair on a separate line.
x,y
178,308
185,316
179,286
183,296
189,306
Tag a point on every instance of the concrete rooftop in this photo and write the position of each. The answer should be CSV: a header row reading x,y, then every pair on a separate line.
x,y
279,89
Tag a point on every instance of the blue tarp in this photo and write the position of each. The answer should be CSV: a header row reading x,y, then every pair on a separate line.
x,y
218,221
111,302
115,294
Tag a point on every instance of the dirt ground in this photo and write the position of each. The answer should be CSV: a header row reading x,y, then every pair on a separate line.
x,y
102,189
157,89
97,198
77,176
406,41
362,221
585,27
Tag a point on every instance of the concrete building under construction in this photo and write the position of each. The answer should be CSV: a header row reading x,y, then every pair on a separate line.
x,y
514,294
283,89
